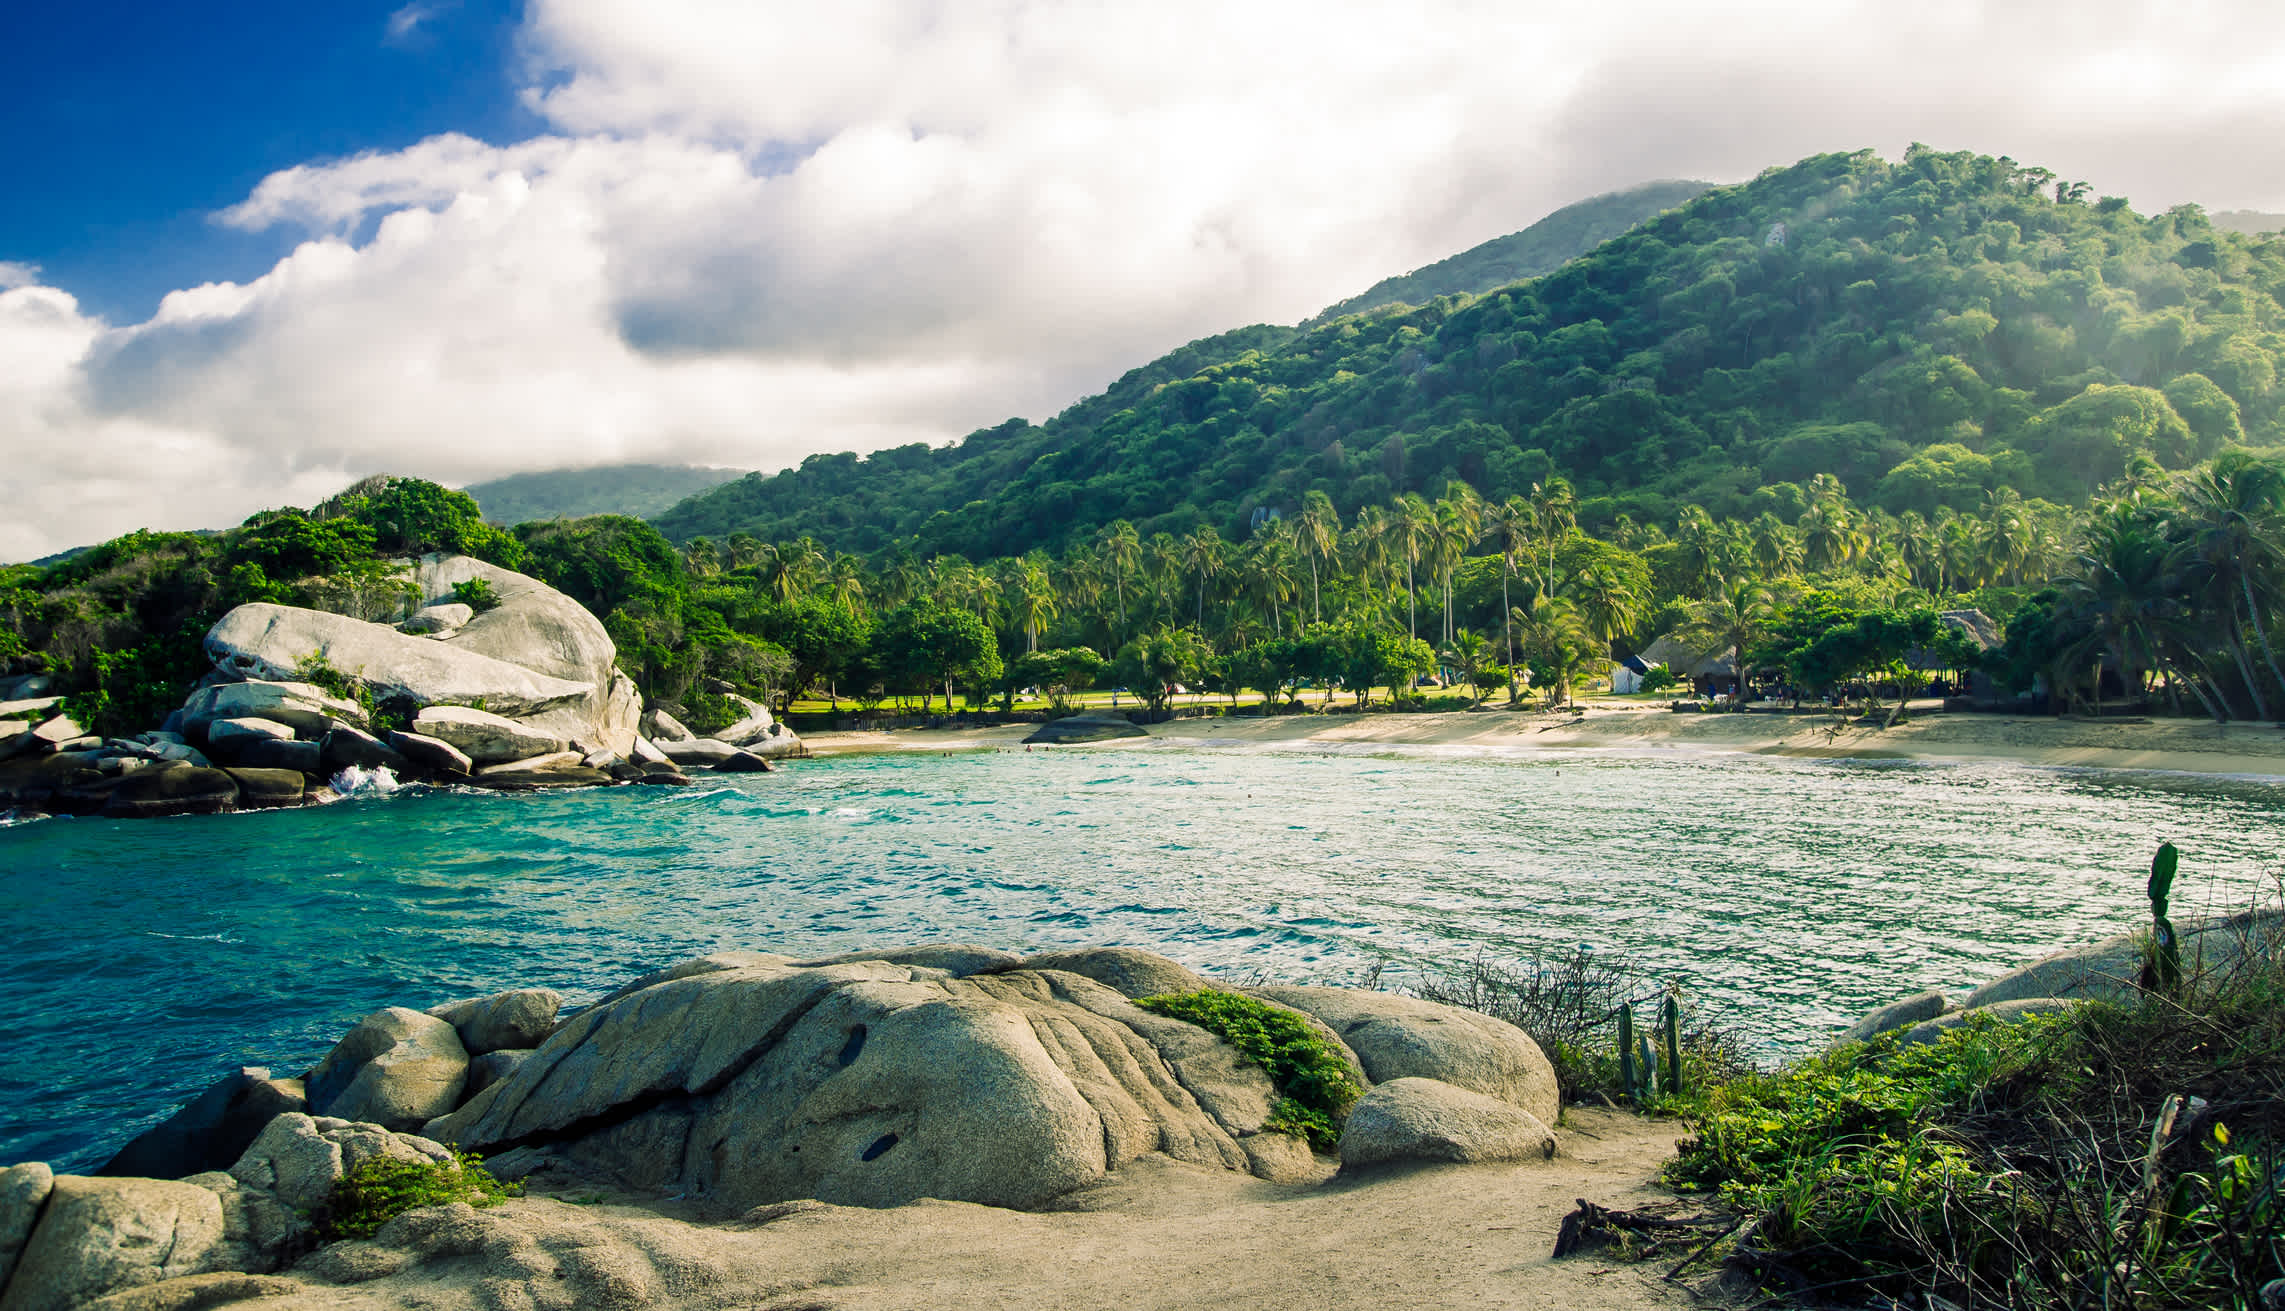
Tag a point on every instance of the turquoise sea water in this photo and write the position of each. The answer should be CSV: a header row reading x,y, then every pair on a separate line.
x,y
142,959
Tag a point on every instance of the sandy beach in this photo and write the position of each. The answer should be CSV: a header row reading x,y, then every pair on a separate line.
x,y
2182,745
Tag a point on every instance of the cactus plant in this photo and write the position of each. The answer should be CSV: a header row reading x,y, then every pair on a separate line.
x,y
1626,1049
2165,968
1673,1026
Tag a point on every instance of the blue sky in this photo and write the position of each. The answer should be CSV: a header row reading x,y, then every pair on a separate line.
x,y
128,124
251,251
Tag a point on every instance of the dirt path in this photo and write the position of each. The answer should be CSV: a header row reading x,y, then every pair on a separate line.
x,y
1156,1236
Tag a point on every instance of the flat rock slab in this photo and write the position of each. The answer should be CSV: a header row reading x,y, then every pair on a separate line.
x,y
156,793
486,738
307,709
263,789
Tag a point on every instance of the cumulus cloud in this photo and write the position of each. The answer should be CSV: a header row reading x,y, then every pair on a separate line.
x,y
756,231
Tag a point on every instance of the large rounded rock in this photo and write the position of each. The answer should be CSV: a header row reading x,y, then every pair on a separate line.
x,y
1091,726
262,789
1128,971
1898,1015
263,641
955,958
345,747
398,1068
1398,1037
155,793
1428,1120
226,735
24,1190
2112,968
299,757
521,1017
442,618
871,1083
697,752
270,1195
486,738
2004,1012
98,1236
212,1131
432,753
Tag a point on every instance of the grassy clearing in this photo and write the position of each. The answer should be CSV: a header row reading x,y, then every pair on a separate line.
x,y
1315,1088
380,1190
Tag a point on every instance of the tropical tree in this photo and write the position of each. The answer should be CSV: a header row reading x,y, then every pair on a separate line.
x,y
1205,554
1413,531
1318,531
1510,524
2233,545
1733,620
1123,557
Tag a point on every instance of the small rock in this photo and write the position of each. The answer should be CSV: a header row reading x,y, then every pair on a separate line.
x,y
300,757
743,762
345,747
398,1068
59,730
432,753
522,1017
441,618
645,753
1092,726
224,735
1396,1036
1428,1120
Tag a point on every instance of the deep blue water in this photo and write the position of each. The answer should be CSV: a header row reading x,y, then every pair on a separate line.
x,y
143,958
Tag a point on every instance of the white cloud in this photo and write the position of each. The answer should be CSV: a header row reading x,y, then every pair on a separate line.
x,y
404,23
14,274
757,231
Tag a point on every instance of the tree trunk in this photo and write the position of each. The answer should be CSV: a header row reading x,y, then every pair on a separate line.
x,y
1411,601
1316,615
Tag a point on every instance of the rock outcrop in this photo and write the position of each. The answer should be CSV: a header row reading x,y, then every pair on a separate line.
x,y
1088,726
1398,1037
1414,1119
96,1236
398,1068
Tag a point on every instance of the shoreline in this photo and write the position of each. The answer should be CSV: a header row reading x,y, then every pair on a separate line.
x,y
2198,747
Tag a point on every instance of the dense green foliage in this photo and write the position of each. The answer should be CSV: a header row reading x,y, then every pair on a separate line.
x,y
1314,1085
1543,247
641,490
1924,331
381,1189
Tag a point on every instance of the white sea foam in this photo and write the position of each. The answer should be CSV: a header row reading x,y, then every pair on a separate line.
x,y
357,781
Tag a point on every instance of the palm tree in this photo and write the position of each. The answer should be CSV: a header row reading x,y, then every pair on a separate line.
x,y
1318,531
1203,553
1034,598
1555,511
1162,564
1731,621
1467,653
845,579
1554,637
743,550
2231,538
1510,524
1918,548
1704,550
1459,522
1370,536
1413,528
1607,605
701,557
1774,548
2005,536
1123,553
1829,535
1269,570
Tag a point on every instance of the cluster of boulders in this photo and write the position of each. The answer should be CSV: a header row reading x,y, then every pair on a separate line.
x,y
2109,970
746,1078
525,694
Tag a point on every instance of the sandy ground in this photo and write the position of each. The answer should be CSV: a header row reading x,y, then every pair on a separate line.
x,y
1156,1235
2189,746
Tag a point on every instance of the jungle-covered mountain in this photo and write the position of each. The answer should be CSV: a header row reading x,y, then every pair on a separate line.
x,y
1543,247
1925,330
641,490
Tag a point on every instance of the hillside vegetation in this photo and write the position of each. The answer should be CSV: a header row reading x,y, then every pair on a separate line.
x,y
1543,247
641,490
1925,331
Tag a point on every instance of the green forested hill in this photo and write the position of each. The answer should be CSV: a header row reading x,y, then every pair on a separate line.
x,y
636,489
1543,247
1925,330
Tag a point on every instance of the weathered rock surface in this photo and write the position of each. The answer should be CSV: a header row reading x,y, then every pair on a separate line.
x,y
58,731
263,789
98,1236
561,771
1897,1015
23,1191
955,958
521,1017
743,762
198,1292
780,743
2005,1012
551,760
212,1131
491,1067
485,738
432,753
156,793
1428,1120
2111,968
1090,726
270,1195
538,628
697,752
1128,971
302,707
662,728
398,1068
748,1080
1397,1037
263,641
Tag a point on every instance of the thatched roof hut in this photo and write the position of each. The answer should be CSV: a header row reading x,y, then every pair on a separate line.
x,y
1690,663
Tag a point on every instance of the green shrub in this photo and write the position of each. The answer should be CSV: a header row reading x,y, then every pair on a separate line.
x,y
1314,1085
1659,679
477,595
381,1189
